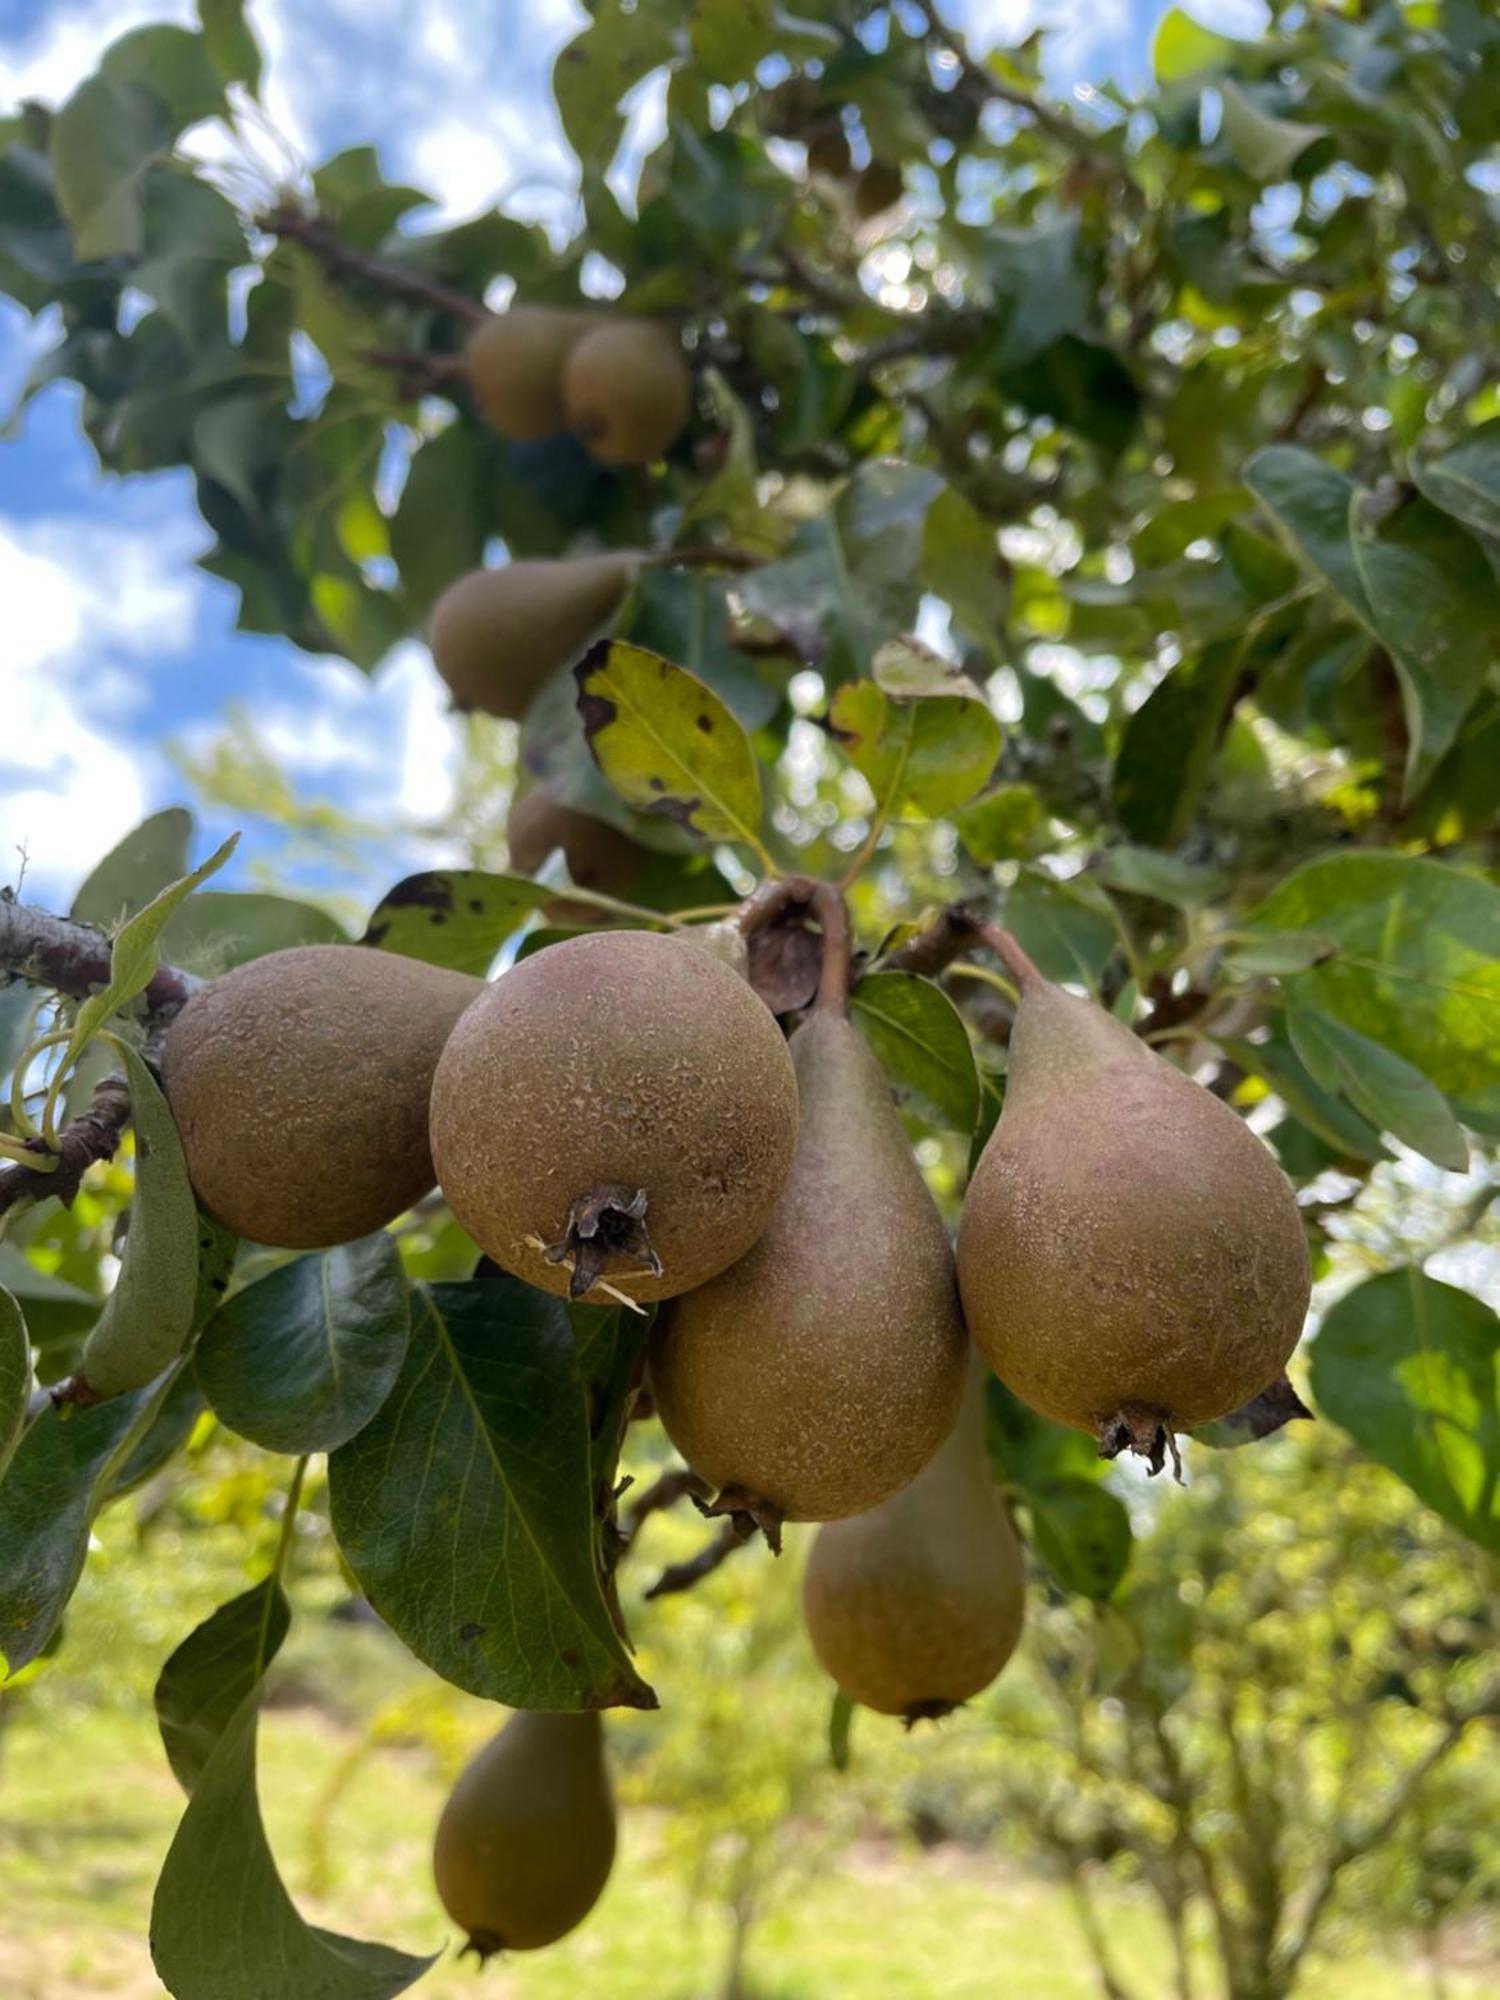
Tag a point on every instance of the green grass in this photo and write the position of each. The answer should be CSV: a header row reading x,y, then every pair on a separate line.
x,y
88,1809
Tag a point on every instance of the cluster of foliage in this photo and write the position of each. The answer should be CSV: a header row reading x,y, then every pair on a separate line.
x,y
1175,425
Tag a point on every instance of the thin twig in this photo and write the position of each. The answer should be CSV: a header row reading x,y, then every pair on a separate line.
x,y
93,1136
340,260
931,950
733,1534
676,1482
74,959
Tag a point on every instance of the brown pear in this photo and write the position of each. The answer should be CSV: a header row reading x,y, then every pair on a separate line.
x,y
299,1083
915,1607
496,634
514,364
1131,1257
627,391
527,1839
619,1106
818,1375
599,856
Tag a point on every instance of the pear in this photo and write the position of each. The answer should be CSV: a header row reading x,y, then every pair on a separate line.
x,y
619,1106
299,1084
818,1375
514,364
496,634
598,855
1131,1257
915,1607
527,1839
627,392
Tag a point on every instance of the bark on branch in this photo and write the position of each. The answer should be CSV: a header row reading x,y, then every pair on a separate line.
x,y
341,261
73,959
83,1141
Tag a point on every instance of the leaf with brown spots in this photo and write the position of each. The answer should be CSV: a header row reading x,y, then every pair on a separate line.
x,y
667,744
457,917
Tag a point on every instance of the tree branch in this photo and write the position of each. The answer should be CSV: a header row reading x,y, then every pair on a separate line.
x,y
733,1534
74,959
951,933
341,261
83,1141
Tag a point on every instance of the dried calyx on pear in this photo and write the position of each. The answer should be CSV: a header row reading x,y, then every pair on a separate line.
x,y
299,1084
527,1838
619,1107
914,1607
1131,1256
818,1374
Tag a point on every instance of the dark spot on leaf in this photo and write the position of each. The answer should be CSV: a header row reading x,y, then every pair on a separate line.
x,y
657,784
437,917
142,1146
680,810
705,723
376,934
476,906
569,1656
431,890
470,1631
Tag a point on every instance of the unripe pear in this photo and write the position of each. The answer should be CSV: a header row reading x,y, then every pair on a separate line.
x,y
299,1084
527,1839
514,363
818,1375
619,1106
496,634
914,1607
1131,1257
627,391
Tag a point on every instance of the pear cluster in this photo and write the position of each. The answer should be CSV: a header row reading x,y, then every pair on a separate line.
x,y
619,385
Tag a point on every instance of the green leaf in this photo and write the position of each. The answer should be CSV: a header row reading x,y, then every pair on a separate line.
x,y
48,1497
1182,47
1418,966
217,1667
222,1924
1142,871
840,1724
852,577
1168,746
103,139
55,1310
960,564
143,864
1082,1533
301,1360
1068,929
1329,1118
441,523
1407,1366
1040,290
1422,587
625,41
15,1375
217,929
161,1440
1279,952
136,954
147,1319
173,64
924,742
1391,1092
230,42
667,744
1263,146
1465,482
683,614
923,1046
1006,824
458,917
466,1507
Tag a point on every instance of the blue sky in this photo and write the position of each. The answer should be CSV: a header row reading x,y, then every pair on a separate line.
x,y
114,644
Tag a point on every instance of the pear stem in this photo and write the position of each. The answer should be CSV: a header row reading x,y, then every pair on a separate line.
x,y
1010,955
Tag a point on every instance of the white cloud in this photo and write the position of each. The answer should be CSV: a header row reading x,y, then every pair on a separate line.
x,y
63,44
81,601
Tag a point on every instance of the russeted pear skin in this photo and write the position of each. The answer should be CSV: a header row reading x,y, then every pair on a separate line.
x,y
820,1373
299,1084
627,392
1131,1257
527,1838
914,1608
496,634
620,1061
514,363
